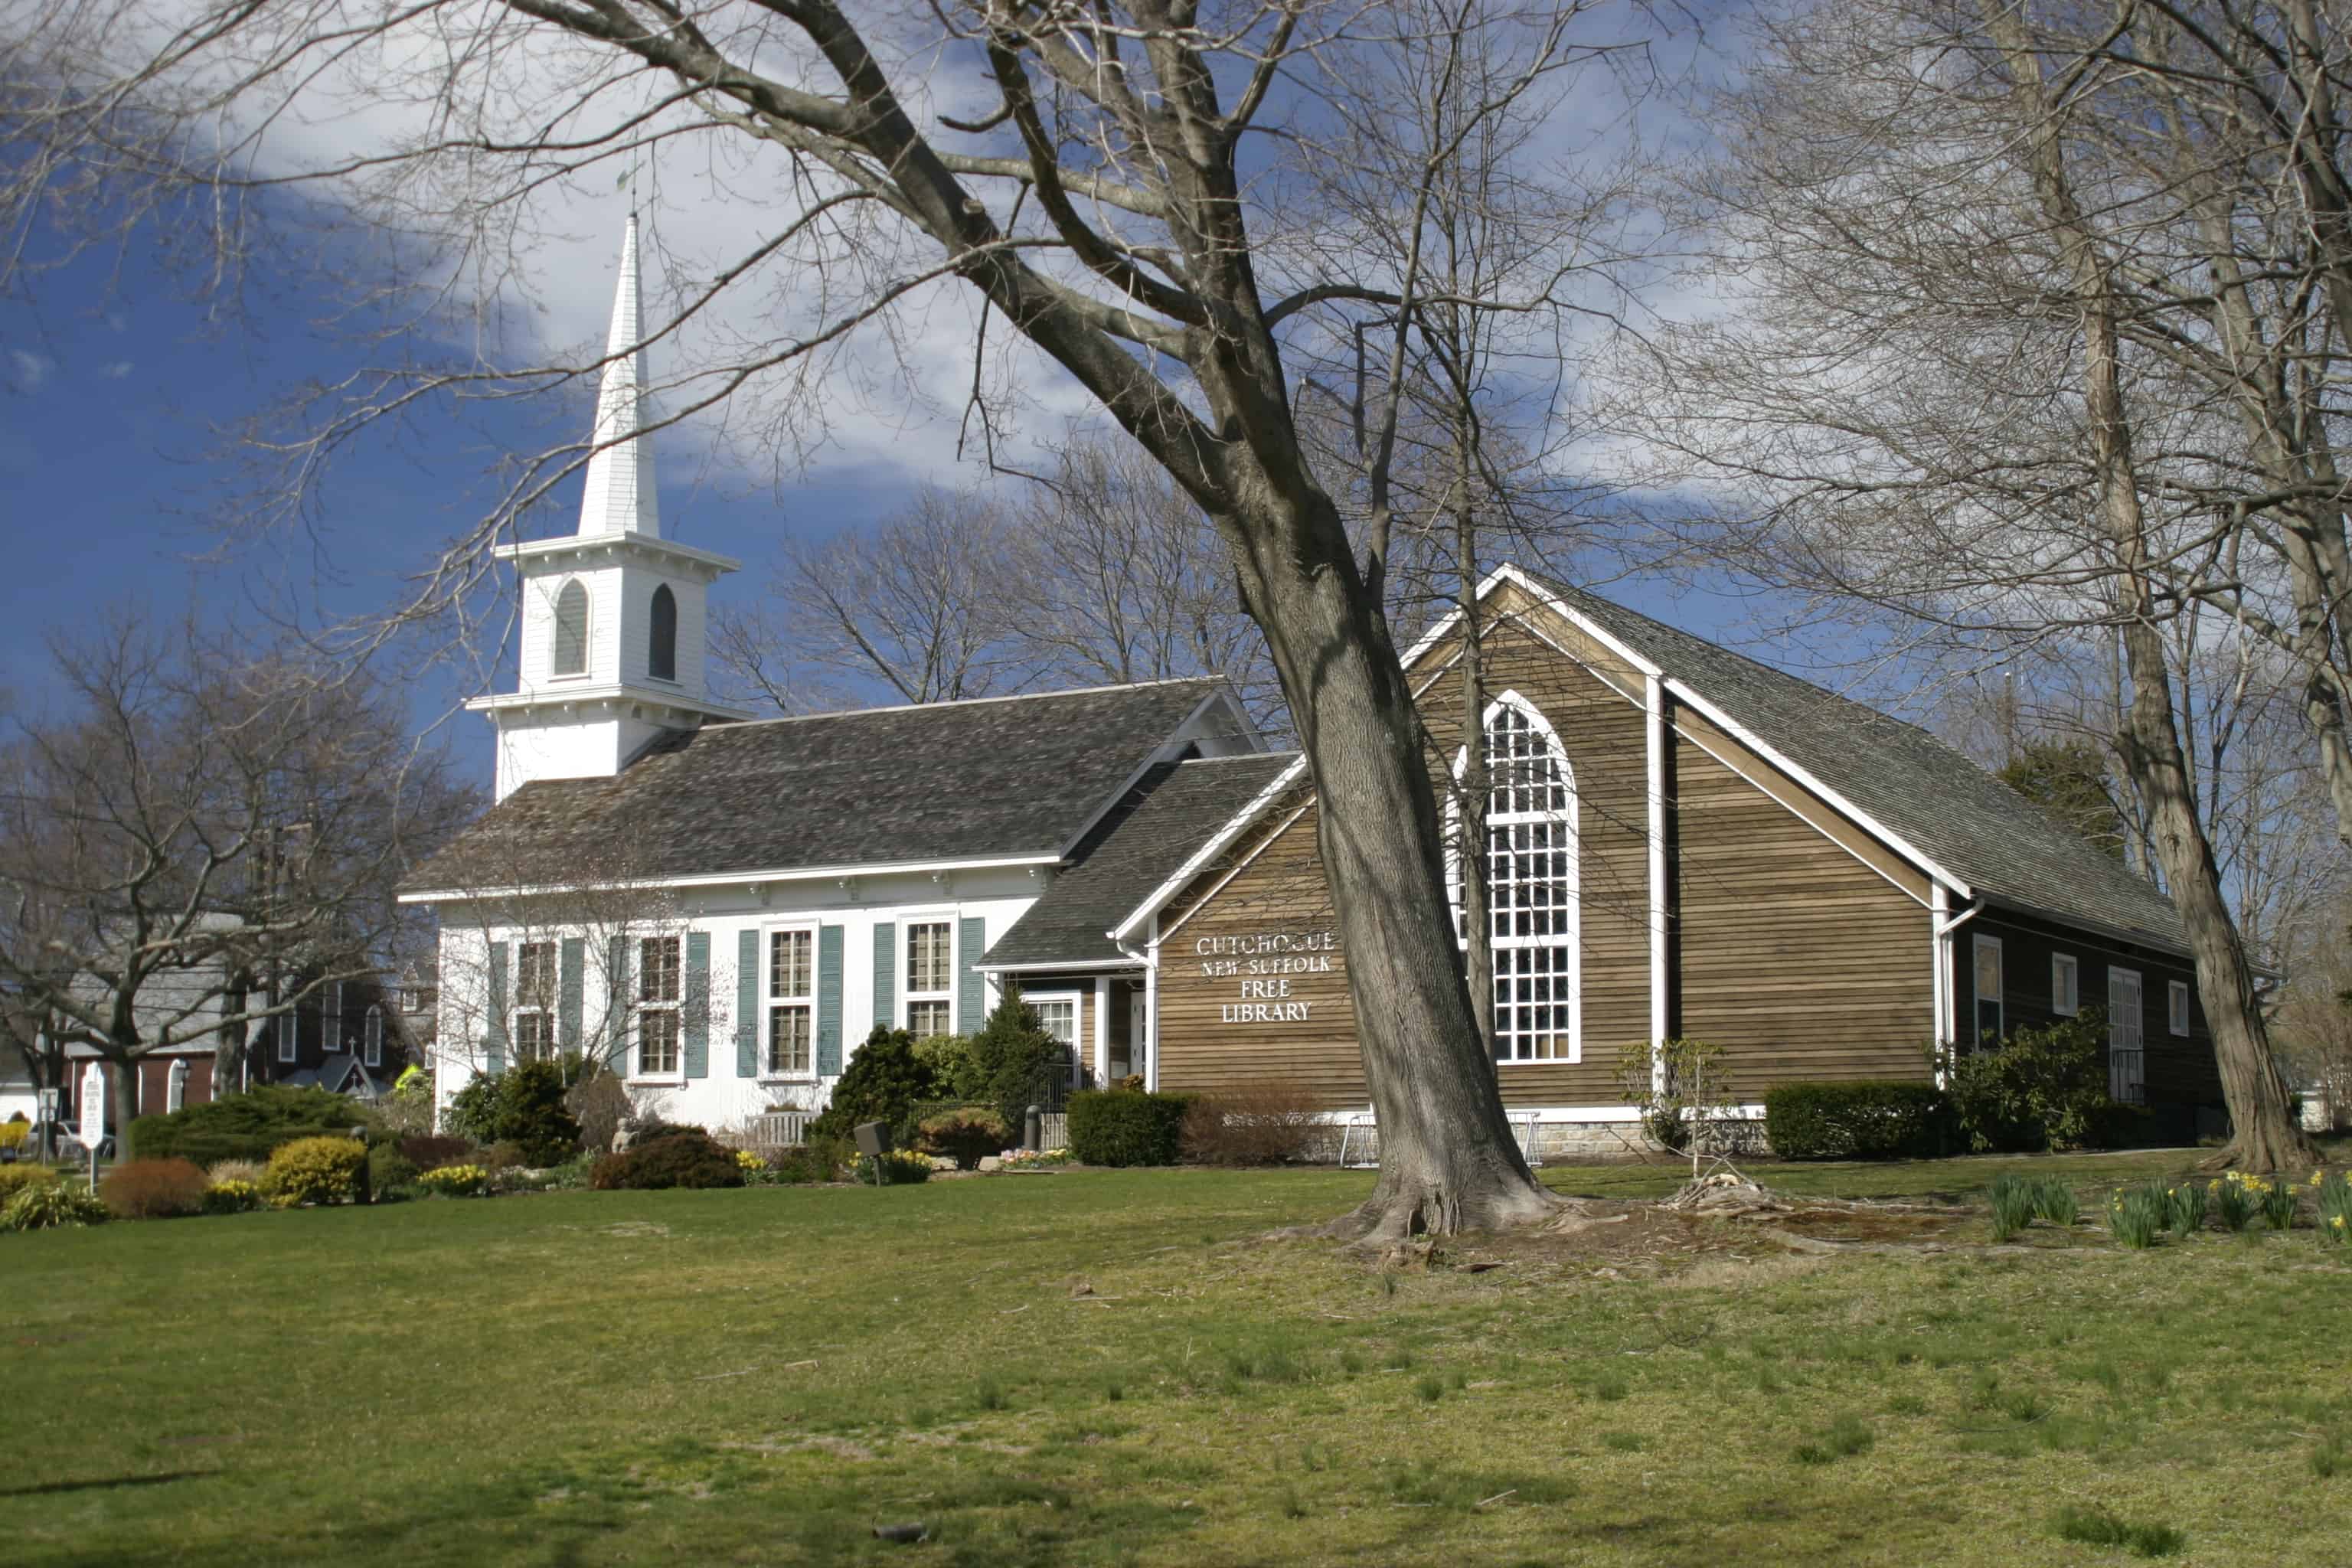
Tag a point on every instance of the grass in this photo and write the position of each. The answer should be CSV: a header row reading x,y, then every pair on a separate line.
x,y
763,1376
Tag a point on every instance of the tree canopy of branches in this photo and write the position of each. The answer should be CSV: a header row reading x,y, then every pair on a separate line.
x,y
1137,193
191,821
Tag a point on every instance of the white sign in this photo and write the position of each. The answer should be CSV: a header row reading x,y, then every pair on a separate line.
x,y
93,1105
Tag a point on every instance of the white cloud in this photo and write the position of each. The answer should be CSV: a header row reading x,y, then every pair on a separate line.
x,y
115,371
31,369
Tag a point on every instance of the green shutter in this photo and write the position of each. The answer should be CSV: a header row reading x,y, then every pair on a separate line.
x,y
828,1001
568,998
494,1039
697,1003
970,1012
616,1005
747,1005
885,974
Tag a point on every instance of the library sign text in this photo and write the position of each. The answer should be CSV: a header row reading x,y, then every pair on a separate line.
x,y
1263,964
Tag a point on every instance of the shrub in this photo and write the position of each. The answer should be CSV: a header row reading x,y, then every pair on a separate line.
x,y
472,1113
884,1082
2137,1216
898,1168
409,1106
154,1189
252,1171
14,1131
601,1106
14,1179
52,1205
1127,1127
1871,1120
453,1181
388,1168
828,1156
798,1167
948,1059
2012,1205
425,1151
531,1114
1692,1092
248,1126
964,1135
234,1195
315,1171
2041,1088
677,1160
1014,1063
1265,1125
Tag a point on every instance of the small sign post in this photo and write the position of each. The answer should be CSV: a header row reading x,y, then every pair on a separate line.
x,y
93,1115
52,1112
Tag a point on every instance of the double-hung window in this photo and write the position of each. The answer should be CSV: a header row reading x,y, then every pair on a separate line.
x,y
791,1002
375,1036
1057,1014
930,978
1992,1023
534,1015
658,993
2066,984
2126,1045
2176,1012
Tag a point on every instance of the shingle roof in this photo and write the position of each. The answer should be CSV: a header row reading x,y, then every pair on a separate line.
x,y
1943,804
946,780
1173,811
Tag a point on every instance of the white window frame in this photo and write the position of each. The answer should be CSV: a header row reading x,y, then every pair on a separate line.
x,y
2178,1017
674,1007
1573,937
290,1041
542,1009
2126,1032
903,1002
371,1037
1982,945
1078,1026
2066,984
770,1003
335,1042
555,631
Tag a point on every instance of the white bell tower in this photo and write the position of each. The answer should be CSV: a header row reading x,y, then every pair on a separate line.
x,y
614,614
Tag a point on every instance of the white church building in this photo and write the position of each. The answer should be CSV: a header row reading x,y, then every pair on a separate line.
x,y
723,907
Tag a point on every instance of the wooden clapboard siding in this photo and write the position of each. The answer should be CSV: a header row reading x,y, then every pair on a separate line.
x,y
1800,959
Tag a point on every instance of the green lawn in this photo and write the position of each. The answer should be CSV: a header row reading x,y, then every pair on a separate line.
x,y
1104,1368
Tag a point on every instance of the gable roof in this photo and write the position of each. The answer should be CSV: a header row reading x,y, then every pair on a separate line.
x,y
1018,776
1908,785
1168,813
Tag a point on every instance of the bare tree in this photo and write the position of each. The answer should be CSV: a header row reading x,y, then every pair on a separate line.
x,y
1112,202
1935,402
144,857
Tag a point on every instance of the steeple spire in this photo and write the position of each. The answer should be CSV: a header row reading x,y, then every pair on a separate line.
x,y
620,495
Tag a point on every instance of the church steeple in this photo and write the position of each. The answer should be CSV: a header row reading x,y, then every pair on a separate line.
x,y
612,615
620,494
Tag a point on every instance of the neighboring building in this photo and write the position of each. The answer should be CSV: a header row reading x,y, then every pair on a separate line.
x,y
1686,843
345,1035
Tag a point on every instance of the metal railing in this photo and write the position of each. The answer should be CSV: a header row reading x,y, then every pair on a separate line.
x,y
2128,1076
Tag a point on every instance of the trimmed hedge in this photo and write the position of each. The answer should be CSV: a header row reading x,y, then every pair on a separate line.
x,y
248,1126
1127,1127
1871,1119
680,1160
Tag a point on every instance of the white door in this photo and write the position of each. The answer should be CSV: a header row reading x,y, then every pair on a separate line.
x,y
2126,1046
1128,1058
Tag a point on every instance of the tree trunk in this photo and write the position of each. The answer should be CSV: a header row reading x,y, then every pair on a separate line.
x,y
1448,1161
1472,789
2265,1136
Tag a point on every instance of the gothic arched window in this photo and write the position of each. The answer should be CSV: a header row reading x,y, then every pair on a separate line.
x,y
1532,891
572,630
661,635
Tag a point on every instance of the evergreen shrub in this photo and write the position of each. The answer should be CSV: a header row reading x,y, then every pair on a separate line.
x,y
388,1168
248,1126
1870,1119
315,1171
154,1189
1014,1063
2039,1089
884,1081
1127,1127
678,1160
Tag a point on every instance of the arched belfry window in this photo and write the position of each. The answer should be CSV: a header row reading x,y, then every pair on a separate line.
x,y
661,635
1532,889
572,630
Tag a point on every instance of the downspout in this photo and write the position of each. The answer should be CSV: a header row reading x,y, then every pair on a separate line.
x,y
1150,1044
1946,994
